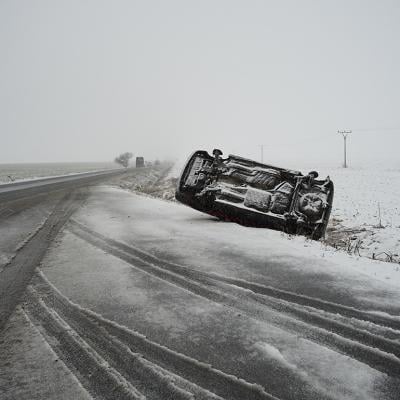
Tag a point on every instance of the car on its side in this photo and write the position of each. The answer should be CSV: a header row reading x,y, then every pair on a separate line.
x,y
256,194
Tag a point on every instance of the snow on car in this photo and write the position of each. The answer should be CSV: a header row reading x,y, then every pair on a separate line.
x,y
255,194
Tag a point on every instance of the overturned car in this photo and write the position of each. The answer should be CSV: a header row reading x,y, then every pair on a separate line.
x,y
255,194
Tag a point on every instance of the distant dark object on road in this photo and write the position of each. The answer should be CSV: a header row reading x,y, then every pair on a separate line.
x,y
139,162
254,194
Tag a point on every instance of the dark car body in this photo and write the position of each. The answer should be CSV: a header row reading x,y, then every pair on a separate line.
x,y
255,194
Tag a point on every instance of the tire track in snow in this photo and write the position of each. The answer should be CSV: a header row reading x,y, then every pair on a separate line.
x,y
15,276
91,369
131,368
374,350
176,375
392,322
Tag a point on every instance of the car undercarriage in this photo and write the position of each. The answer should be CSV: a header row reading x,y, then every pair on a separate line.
x,y
255,194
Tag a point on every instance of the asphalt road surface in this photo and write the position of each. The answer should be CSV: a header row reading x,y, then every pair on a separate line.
x,y
25,195
22,189
112,295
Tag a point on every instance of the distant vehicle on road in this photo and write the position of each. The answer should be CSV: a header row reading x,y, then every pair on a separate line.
x,y
255,194
139,162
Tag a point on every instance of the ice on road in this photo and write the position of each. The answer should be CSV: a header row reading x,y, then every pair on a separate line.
x,y
264,256
142,297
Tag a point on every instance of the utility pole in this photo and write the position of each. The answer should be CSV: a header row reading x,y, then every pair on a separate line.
x,y
344,134
262,152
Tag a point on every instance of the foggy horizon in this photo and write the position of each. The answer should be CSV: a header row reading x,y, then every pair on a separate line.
x,y
86,81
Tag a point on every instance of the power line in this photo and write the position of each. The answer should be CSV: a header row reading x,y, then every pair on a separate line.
x,y
262,152
376,129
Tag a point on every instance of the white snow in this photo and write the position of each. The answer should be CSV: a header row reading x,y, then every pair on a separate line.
x,y
273,353
200,328
188,235
368,198
30,369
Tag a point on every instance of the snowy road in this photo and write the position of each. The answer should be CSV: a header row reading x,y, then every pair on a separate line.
x,y
35,187
142,298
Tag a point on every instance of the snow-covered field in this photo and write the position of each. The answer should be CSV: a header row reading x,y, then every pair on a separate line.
x,y
366,212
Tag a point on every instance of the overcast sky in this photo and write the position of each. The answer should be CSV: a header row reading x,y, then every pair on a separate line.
x,y
83,80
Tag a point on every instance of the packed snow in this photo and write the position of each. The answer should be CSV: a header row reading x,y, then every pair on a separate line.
x,y
187,235
26,359
193,325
